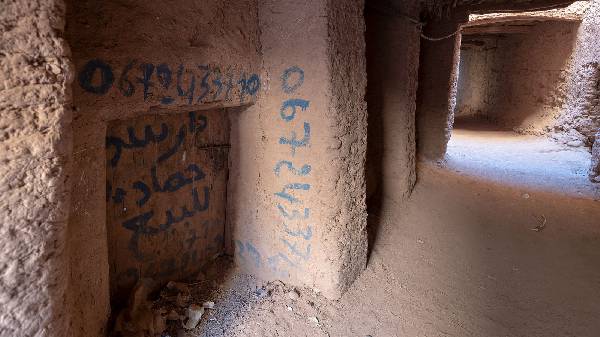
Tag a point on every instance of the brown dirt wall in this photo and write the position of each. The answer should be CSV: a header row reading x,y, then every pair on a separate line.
x,y
297,203
137,58
35,143
438,78
393,44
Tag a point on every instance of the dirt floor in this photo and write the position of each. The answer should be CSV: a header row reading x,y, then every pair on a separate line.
x,y
464,257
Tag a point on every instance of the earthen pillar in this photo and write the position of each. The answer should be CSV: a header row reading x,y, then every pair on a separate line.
x,y
438,75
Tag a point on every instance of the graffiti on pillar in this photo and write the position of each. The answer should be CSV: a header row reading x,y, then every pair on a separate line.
x,y
165,194
165,84
292,197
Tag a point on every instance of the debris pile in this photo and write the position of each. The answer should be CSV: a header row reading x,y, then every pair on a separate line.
x,y
139,319
176,310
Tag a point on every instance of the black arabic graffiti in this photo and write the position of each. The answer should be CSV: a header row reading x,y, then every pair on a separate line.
x,y
173,183
139,224
196,124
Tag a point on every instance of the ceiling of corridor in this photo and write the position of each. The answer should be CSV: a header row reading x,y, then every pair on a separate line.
x,y
440,6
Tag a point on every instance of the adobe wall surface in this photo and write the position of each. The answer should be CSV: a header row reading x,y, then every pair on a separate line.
x,y
580,120
297,187
297,200
530,91
438,79
393,44
594,173
165,197
477,76
136,58
542,82
582,111
517,80
35,141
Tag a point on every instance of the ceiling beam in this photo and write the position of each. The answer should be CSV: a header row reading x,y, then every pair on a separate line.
x,y
519,18
511,6
496,30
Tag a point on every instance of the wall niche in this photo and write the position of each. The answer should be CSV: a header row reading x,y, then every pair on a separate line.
x,y
166,196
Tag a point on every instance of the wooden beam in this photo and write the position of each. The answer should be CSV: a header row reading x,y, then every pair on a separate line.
x,y
511,6
496,30
520,19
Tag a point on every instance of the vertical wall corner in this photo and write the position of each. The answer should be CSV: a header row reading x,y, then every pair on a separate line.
x,y
36,148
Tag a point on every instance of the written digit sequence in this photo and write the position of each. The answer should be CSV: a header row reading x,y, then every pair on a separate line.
x,y
169,84
296,227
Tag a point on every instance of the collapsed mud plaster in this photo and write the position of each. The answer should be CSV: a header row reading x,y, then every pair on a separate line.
x,y
35,142
136,58
297,196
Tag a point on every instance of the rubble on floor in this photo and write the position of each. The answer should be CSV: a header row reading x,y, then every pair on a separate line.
x,y
219,303
140,318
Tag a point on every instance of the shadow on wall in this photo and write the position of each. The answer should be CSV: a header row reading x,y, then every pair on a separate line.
x,y
392,55
375,134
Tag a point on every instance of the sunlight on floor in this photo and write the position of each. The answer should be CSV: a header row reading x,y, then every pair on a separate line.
x,y
521,160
